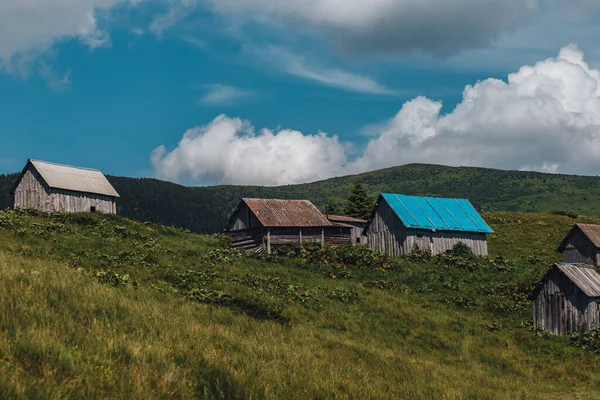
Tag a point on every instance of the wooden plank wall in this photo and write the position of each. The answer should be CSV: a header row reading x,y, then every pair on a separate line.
x,y
388,234
32,192
339,236
243,219
70,202
579,249
561,307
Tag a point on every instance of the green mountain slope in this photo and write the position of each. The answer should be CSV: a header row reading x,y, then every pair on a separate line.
x,y
205,209
102,307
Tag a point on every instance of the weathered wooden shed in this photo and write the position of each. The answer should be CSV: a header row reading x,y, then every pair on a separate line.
x,y
399,223
356,224
53,187
265,224
567,299
581,245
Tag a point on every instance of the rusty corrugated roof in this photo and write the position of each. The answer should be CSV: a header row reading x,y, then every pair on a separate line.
x,y
286,213
77,179
584,276
343,218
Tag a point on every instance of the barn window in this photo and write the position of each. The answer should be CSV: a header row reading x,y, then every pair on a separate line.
x,y
93,209
358,240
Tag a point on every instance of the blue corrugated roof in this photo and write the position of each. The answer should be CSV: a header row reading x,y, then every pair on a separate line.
x,y
436,214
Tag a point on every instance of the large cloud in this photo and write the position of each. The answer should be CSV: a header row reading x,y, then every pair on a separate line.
x,y
438,26
228,150
544,117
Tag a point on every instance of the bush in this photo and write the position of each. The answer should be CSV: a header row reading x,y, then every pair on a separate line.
x,y
569,214
588,340
462,250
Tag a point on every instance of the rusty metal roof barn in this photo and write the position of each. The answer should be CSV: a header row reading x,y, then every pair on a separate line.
x,y
591,231
77,179
286,213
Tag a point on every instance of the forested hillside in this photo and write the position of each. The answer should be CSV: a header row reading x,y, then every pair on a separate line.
x,y
205,209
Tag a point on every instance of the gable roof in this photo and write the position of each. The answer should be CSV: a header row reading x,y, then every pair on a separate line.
x,y
76,179
583,276
435,214
592,232
286,213
343,218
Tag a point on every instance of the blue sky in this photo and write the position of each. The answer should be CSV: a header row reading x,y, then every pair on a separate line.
x,y
265,92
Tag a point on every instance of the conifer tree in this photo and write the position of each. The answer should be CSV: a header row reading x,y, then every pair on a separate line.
x,y
358,203
332,207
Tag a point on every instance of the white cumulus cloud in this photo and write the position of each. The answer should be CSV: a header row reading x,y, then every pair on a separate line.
x,y
544,117
228,150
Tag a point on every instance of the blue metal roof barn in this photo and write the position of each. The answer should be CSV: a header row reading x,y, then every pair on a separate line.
x,y
400,224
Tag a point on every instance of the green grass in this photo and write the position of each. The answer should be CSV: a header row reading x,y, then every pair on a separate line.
x,y
195,320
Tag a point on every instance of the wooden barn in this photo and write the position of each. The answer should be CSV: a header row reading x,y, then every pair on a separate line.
x,y
400,223
265,224
60,188
567,299
356,224
581,245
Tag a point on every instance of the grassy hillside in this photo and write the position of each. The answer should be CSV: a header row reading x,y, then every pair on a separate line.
x,y
206,209
102,307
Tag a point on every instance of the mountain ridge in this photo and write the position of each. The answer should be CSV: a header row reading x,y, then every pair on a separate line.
x,y
205,209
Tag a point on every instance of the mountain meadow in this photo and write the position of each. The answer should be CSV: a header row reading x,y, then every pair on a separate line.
x,y
206,209
96,306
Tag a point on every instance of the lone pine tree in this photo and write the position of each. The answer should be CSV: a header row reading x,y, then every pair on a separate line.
x,y
358,203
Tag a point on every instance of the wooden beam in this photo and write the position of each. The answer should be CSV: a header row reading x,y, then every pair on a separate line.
x,y
269,241
322,237
300,234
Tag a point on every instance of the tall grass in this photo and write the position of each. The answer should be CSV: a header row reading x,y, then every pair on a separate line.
x,y
188,328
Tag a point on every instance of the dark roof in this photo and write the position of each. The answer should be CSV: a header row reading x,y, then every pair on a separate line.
x,y
592,232
343,218
583,276
286,213
435,214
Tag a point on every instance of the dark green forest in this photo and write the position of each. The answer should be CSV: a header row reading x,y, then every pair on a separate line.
x,y
206,209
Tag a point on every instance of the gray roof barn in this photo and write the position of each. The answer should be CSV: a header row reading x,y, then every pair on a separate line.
x,y
567,299
581,245
54,187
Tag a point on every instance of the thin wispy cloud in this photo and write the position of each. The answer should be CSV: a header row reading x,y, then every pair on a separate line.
x,y
218,94
301,67
57,82
194,41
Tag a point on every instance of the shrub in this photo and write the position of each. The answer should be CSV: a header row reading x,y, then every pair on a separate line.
x,y
569,214
588,340
462,250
